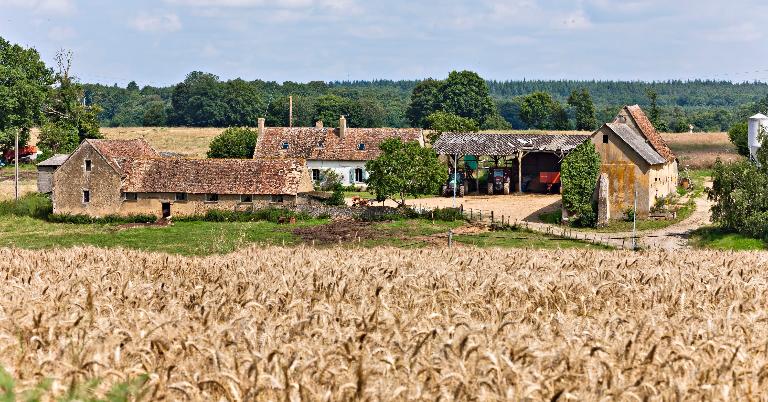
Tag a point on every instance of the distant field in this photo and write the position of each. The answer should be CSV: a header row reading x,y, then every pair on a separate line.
x,y
700,150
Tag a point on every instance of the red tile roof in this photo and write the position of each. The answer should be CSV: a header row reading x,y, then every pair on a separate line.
x,y
653,137
117,151
217,176
318,143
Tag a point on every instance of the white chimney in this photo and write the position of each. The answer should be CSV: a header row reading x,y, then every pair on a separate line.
x,y
261,126
342,126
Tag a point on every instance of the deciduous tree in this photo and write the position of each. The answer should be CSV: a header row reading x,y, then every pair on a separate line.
x,y
581,101
234,142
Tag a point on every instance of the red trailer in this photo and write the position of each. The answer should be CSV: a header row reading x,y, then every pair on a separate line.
x,y
24,153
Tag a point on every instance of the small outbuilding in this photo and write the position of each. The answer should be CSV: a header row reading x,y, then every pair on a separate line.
x,y
636,160
45,171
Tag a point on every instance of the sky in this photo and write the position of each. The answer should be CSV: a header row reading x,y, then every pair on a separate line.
x,y
159,42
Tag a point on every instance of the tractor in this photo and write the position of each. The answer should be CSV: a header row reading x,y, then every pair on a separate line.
x,y
449,185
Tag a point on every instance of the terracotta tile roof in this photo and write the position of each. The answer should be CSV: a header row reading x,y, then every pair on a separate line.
x,y
636,141
219,176
323,143
653,137
505,143
116,152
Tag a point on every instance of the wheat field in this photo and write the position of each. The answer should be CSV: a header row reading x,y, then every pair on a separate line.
x,y
388,324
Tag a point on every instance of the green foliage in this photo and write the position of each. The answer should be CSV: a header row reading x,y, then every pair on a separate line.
x,y
198,101
403,169
539,110
35,205
629,215
80,219
739,135
425,100
654,114
579,173
329,108
337,196
24,82
57,138
463,94
132,390
581,101
234,142
270,214
444,122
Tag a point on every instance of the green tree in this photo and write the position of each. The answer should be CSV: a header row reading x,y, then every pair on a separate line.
x,y
403,169
738,133
679,122
244,104
329,108
198,101
155,114
579,173
559,117
540,110
466,94
234,142
365,112
443,122
654,113
24,83
66,114
303,112
581,101
425,100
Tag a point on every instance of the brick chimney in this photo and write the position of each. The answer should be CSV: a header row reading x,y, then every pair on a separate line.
x,y
261,126
342,126
319,124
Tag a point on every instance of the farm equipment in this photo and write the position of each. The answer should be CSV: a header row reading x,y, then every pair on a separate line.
x,y
26,154
499,181
360,202
550,179
449,185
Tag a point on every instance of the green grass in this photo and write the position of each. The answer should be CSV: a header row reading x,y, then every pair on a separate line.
x,y
552,218
9,169
417,227
712,237
372,196
523,239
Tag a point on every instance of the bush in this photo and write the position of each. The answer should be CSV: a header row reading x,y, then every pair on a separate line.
x,y
260,215
108,219
34,205
337,197
234,142
629,215
579,173
738,133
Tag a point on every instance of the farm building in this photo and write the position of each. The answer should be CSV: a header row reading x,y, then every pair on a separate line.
x,y
125,177
517,162
634,157
45,171
343,150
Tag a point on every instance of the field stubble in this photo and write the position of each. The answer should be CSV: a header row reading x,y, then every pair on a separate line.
x,y
290,323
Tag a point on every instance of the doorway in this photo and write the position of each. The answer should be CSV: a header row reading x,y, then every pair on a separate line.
x,y
166,209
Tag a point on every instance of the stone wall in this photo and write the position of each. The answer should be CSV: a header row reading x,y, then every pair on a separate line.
x,y
71,179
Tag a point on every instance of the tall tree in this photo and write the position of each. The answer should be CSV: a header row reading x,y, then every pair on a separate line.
x,y
198,101
24,84
536,110
244,104
654,113
425,100
466,94
329,108
443,122
366,112
234,142
581,101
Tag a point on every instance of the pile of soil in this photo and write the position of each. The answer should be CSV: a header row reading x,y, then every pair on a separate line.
x,y
340,230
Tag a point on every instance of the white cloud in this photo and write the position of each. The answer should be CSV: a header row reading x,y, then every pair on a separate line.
x,y
575,20
157,23
42,6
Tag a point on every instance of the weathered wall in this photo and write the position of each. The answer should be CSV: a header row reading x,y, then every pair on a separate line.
x,y
45,179
70,179
663,180
151,203
626,171
344,168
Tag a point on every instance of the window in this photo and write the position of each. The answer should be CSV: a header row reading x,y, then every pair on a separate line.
x,y
320,144
361,147
277,198
130,196
246,198
284,145
181,196
86,196
605,138
359,175
315,174
211,197
87,165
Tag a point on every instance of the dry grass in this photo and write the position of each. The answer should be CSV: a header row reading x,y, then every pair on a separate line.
x,y
25,186
700,150
387,324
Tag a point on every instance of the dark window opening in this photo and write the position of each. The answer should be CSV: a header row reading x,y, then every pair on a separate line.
x,y
605,138
284,145
181,196
211,197
166,209
87,165
361,147
246,198
86,196
359,175
130,196
320,144
277,198
316,174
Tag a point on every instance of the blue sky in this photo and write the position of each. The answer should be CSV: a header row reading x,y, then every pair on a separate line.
x,y
159,42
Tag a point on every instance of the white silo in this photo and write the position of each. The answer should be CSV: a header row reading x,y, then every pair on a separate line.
x,y
758,126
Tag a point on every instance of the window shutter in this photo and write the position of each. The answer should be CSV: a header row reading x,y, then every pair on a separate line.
x,y
351,176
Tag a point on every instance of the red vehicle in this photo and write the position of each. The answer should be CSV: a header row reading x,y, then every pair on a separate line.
x,y
24,153
550,179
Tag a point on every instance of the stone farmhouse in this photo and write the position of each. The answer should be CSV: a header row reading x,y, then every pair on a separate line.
x,y
634,158
125,177
343,150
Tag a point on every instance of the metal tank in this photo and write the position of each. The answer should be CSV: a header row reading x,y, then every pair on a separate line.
x,y
758,126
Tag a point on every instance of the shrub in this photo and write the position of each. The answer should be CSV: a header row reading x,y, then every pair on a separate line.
x,y
337,197
108,219
266,214
579,173
738,133
629,214
234,142
34,205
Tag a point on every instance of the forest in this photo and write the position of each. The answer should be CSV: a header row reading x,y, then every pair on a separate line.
x,y
204,100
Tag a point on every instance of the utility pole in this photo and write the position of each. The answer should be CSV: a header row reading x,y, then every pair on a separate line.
x,y
290,111
16,169
455,181
634,223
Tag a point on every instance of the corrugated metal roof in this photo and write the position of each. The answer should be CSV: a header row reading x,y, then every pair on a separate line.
x,y
505,143
55,160
637,142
